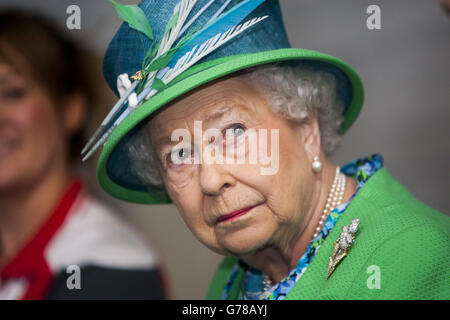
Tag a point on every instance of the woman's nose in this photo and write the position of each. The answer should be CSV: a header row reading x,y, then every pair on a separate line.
x,y
215,178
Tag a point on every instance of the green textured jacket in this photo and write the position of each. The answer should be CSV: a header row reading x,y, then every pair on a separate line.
x,y
401,251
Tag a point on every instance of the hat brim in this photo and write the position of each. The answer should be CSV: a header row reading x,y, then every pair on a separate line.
x,y
195,77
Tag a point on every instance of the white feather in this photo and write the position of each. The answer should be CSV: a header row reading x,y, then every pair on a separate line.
x,y
185,7
199,13
207,47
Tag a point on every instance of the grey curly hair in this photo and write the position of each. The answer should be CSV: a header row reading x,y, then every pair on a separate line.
x,y
293,91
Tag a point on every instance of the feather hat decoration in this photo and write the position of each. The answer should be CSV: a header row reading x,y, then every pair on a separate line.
x,y
165,61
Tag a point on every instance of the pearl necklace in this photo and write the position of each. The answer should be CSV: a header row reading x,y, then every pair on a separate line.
x,y
334,198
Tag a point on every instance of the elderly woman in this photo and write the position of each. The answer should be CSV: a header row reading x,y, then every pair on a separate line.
x,y
240,143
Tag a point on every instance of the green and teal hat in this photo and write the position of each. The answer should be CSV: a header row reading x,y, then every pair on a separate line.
x,y
170,47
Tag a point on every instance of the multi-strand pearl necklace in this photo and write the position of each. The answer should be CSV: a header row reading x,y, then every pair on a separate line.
x,y
334,198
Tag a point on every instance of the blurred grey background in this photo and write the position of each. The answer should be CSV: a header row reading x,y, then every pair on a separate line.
x,y
405,67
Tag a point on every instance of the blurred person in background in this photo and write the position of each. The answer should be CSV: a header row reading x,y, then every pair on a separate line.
x,y
56,240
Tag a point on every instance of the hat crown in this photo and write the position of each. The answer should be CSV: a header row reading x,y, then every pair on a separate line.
x,y
128,48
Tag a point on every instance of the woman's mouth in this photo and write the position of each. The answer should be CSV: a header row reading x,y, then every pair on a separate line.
x,y
235,214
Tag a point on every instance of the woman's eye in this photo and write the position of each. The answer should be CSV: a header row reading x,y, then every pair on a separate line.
x,y
180,156
236,130
14,94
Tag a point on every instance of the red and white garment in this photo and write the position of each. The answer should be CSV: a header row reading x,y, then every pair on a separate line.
x,y
113,261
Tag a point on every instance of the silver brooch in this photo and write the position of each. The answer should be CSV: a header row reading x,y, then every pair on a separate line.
x,y
342,245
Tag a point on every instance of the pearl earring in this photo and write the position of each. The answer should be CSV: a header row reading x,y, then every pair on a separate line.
x,y
316,164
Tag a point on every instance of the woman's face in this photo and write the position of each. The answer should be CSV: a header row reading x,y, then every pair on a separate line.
x,y
31,138
234,208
